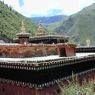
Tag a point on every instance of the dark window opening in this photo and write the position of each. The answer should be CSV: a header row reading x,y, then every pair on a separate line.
x,y
3,89
62,52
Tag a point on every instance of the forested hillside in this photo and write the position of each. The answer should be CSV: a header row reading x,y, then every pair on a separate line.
x,y
80,26
10,22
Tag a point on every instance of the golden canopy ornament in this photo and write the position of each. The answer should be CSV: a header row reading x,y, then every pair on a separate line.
x,y
23,27
23,30
40,30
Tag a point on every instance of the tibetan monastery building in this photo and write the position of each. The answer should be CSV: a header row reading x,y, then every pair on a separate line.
x,y
40,45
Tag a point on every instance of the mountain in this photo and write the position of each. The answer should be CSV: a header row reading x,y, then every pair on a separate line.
x,y
80,26
10,22
51,27
48,20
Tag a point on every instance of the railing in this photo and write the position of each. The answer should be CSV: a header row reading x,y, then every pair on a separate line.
x,y
85,49
41,65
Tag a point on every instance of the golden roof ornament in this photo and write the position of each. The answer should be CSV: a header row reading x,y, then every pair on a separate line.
x,y
23,30
41,30
22,27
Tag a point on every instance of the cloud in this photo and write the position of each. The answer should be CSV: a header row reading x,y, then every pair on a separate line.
x,y
48,7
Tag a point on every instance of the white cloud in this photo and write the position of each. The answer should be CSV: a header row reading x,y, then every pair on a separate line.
x,y
42,7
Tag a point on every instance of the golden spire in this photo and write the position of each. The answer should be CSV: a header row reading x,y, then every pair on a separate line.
x,y
22,27
23,30
41,30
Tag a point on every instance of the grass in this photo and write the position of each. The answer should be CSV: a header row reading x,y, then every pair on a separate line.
x,y
75,88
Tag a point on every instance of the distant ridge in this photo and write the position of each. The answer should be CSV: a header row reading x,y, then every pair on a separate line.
x,y
10,22
48,20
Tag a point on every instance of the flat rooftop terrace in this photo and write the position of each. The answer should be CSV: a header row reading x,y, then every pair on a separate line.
x,y
44,58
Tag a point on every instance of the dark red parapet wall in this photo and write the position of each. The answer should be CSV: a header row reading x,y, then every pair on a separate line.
x,y
36,50
66,50
14,89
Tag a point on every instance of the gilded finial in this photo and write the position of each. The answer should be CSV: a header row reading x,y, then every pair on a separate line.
x,y
23,30
23,26
41,30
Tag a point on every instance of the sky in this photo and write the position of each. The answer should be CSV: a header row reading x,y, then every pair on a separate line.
x,y
36,8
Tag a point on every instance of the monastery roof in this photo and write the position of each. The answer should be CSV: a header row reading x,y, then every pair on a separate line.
x,y
23,33
50,36
36,60
10,44
36,45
